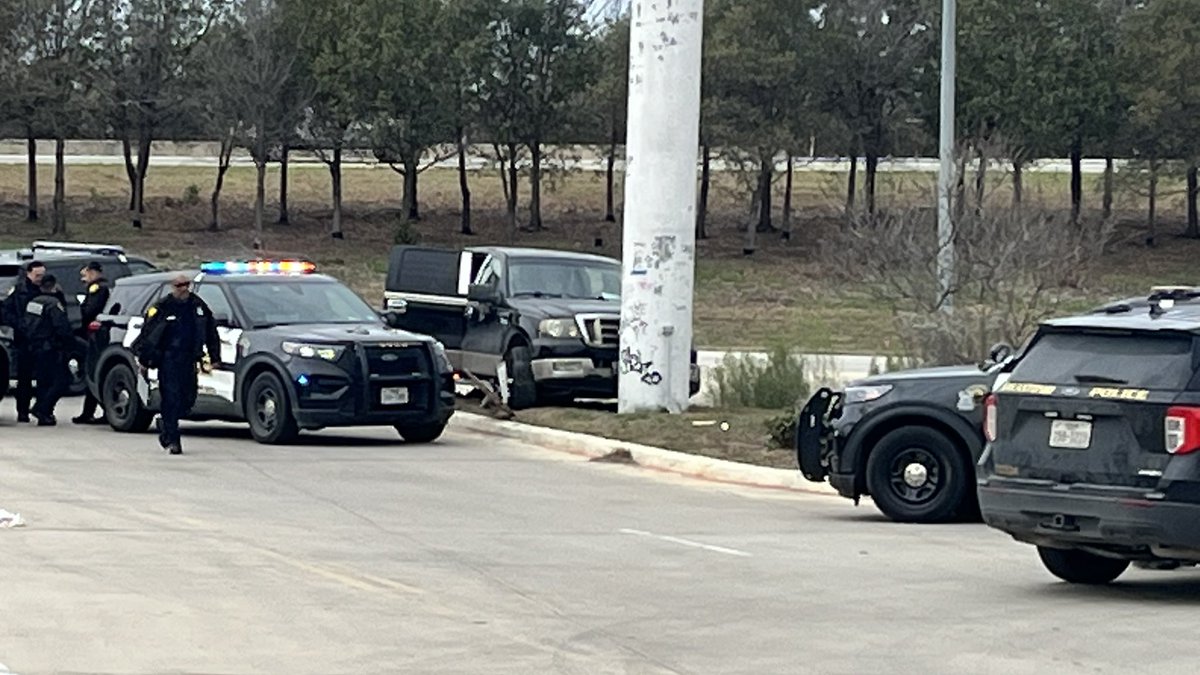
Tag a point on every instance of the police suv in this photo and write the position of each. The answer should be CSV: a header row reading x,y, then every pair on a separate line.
x,y
299,351
1093,433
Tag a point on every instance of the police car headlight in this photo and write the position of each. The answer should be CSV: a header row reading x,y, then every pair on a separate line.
x,y
867,394
307,351
559,328
440,357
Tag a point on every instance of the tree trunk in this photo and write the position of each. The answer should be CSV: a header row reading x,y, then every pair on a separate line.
x,y
705,182
284,216
980,179
872,172
1193,219
335,173
130,171
1152,215
60,188
766,172
852,183
260,200
143,167
214,222
960,189
787,198
512,190
1108,187
1018,182
535,187
464,186
610,205
1076,181
408,203
32,168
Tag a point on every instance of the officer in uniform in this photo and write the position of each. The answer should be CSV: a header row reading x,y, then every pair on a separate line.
x,y
19,296
94,302
48,331
178,330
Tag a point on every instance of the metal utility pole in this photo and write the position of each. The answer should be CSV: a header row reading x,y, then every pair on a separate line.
x,y
659,240
946,177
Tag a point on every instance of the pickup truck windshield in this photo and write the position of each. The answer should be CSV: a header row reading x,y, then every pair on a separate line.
x,y
285,303
565,279
1142,360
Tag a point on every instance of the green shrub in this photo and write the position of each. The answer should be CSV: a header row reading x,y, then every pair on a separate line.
x,y
781,430
406,234
191,195
777,383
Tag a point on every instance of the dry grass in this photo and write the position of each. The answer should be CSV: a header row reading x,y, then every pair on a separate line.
x,y
776,296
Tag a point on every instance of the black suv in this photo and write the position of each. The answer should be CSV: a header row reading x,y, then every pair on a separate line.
x,y
1093,438
909,439
544,324
299,350
64,260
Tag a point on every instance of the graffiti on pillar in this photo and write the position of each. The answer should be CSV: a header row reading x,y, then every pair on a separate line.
x,y
631,362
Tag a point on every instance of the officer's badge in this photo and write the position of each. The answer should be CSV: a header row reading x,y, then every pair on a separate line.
x,y
93,288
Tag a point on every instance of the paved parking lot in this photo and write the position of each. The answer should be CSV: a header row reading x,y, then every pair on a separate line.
x,y
352,553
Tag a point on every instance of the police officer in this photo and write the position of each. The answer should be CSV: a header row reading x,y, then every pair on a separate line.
x,y
26,289
48,331
94,302
178,330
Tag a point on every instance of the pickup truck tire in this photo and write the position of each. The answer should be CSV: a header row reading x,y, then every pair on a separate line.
x,y
522,389
916,475
123,409
1080,567
421,433
269,411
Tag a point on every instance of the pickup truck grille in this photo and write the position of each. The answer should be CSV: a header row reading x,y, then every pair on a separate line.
x,y
600,331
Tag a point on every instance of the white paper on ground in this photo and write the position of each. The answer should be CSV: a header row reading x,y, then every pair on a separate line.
x,y
10,520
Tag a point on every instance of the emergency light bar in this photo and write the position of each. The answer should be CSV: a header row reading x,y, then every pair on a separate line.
x,y
259,267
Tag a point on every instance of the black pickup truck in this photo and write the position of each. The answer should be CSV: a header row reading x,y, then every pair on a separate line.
x,y
543,324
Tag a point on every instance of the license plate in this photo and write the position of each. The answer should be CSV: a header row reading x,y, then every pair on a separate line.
x,y
1070,434
393,396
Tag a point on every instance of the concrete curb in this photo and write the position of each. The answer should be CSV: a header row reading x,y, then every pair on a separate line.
x,y
657,459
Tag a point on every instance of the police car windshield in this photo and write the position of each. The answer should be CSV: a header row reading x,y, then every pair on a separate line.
x,y
288,302
565,279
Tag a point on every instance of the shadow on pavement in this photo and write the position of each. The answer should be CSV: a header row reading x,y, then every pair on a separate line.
x,y
1177,587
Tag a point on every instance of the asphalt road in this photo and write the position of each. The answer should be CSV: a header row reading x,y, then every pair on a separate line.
x,y
352,553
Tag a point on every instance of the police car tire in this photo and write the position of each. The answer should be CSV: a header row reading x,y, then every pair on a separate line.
x,y
955,477
522,389
137,419
286,430
1081,567
421,433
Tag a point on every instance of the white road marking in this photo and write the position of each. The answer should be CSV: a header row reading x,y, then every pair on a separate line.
x,y
685,542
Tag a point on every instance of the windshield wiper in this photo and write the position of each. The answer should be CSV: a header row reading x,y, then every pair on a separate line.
x,y
1099,379
537,294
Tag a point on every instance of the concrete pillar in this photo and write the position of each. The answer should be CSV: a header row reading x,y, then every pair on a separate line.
x,y
659,246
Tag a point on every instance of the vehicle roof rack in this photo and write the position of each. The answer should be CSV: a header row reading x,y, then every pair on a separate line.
x,y
76,247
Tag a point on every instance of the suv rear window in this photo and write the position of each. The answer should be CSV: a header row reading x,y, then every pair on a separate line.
x,y
1142,360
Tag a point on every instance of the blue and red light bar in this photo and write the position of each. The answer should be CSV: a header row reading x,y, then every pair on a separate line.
x,y
258,267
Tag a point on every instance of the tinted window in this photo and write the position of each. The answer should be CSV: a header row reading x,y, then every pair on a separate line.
x,y
284,303
215,298
567,279
129,300
426,271
140,267
8,277
1141,360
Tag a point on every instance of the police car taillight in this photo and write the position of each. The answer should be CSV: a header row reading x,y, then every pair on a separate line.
x,y
990,424
1182,430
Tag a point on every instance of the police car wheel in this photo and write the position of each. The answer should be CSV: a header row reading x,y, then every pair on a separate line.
x,y
421,433
916,475
123,408
1081,567
269,411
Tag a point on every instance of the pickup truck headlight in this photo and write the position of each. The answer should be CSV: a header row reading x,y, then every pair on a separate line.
x,y
559,328
440,357
867,394
312,351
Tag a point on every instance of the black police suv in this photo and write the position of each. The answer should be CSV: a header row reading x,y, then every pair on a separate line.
x,y
908,439
1093,431
299,351
64,260
544,324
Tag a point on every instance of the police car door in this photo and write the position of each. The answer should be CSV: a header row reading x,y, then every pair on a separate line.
x,y
215,393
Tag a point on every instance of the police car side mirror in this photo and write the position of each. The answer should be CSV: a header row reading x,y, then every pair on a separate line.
x,y
484,294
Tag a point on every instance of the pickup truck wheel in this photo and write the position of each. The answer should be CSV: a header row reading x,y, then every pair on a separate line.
x,y
123,409
1080,567
421,433
269,411
522,389
916,475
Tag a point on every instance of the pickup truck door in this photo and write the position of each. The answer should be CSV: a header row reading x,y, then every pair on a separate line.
x,y
427,289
